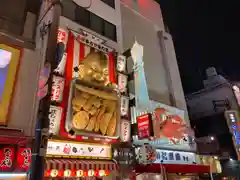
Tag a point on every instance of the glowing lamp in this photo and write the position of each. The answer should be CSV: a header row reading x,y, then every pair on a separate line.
x,y
54,173
79,173
67,173
101,173
91,172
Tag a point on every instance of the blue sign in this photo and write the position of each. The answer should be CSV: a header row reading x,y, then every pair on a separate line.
x,y
235,127
174,157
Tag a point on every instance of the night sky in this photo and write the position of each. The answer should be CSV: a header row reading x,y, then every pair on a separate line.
x,y
205,33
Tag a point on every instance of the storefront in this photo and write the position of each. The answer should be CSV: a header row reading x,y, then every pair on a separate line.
x,y
15,147
163,138
15,161
174,165
70,159
89,107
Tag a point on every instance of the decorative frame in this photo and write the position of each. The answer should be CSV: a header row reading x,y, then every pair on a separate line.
x,y
8,89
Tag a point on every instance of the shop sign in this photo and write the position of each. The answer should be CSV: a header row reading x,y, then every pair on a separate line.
x,y
57,89
144,124
174,157
55,115
124,106
232,117
122,82
78,150
24,158
124,155
121,63
62,35
7,156
91,40
146,154
125,131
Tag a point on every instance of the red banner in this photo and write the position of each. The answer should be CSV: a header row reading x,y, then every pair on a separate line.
x,y
144,126
23,158
7,155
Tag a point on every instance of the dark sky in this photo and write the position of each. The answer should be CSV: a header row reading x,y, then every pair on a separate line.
x,y
205,33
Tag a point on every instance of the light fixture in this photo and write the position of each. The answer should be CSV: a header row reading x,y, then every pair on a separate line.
x,y
212,138
215,157
4,175
231,159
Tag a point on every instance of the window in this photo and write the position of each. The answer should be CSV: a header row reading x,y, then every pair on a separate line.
x,y
88,19
111,3
110,31
82,16
96,23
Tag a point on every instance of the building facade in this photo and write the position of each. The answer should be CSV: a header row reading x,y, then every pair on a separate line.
x,y
106,28
19,84
142,21
216,107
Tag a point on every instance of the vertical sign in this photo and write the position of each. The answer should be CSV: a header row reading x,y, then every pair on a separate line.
x,y
7,156
234,126
144,124
24,158
141,91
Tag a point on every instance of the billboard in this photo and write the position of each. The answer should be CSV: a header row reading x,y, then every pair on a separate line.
x,y
9,60
170,128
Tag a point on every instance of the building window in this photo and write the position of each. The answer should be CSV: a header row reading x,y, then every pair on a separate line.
x,y
88,19
111,3
82,17
110,31
96,23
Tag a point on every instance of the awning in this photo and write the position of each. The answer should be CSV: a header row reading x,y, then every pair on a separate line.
x,y
13,136
174,168
72,164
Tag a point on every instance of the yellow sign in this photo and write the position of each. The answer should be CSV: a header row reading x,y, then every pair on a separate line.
x,y
9,60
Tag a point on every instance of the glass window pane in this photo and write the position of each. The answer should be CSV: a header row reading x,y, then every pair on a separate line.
x,y
110,31
82,16
68,10
111,3
96,23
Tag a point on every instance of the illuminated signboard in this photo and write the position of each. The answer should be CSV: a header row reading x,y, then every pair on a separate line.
x,y
175,157
78,150
235,125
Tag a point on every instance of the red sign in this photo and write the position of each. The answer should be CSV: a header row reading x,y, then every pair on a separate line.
x,y
144,126
6,158
24,158
57,89
61,36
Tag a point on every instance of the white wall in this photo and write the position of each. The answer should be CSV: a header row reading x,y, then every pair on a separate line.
x,y
22,114
200,104
142,20
109,14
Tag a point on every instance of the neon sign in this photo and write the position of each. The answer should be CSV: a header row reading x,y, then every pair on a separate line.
x,y
235,126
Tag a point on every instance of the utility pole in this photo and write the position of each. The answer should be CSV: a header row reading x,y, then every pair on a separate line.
x,y
48,27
